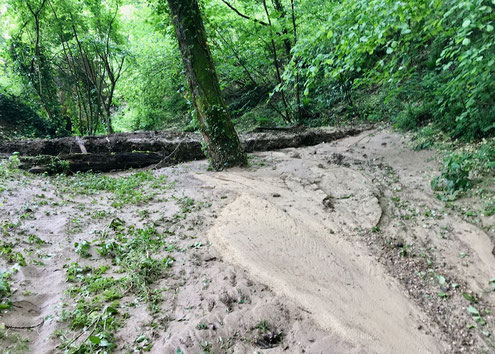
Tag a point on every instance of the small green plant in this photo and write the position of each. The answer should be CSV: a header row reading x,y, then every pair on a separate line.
x,y
142,344
375,229
83,249
263,326
9,167
476,315
7,250
455,175
5,291
201,326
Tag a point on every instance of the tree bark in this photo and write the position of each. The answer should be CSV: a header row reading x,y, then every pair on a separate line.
x,y
222,143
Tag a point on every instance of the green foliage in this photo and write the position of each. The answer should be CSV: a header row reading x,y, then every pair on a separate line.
x,y
455,175
132,189
413,118
415,63
82,248
5,291
96,293
462,165
9,253
19,120
9,167
441,52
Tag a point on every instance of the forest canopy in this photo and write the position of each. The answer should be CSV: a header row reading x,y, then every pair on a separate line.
x,y
102,66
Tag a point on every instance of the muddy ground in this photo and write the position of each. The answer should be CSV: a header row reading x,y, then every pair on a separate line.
x,y
340,247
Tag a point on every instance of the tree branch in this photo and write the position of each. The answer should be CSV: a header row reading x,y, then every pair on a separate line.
x,y
243,15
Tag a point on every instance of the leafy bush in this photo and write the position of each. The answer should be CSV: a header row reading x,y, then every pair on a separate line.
x,y
19,119
455,175
413,117
439,52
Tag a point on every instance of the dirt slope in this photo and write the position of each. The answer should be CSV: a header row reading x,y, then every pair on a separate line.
x,y
335,248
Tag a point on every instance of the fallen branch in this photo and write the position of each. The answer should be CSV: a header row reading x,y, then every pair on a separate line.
x,y
24,327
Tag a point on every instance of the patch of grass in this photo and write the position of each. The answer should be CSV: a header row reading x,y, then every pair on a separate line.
x,y
97,294
132,189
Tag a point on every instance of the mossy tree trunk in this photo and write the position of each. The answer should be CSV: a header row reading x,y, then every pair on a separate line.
x,y
223,145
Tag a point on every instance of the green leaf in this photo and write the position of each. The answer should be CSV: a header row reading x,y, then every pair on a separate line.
x,y
466,41
473,311
94,339
469,297
441,279
112,310
466,23
489,28
389,50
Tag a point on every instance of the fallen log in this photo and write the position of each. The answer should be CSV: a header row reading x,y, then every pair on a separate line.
x,y
88,162
135,150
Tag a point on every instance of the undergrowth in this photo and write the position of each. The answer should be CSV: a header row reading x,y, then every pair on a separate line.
x,y
468,168
103,294
131,189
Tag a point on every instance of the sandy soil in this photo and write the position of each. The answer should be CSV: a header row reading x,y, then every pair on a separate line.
x,y
337,248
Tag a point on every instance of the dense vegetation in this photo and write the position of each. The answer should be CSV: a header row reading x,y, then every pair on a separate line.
x,y
94,66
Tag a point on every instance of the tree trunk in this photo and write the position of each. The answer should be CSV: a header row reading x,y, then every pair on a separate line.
x,y
222,142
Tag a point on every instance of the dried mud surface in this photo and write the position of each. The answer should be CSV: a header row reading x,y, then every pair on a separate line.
x,y
337,248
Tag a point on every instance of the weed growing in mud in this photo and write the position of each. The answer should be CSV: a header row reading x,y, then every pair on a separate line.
x,y
202,326
82,249
10,167
142,344
98,311
36,240
263,326
187,205
14,343
8,252
5,291
132,189
477,316
267,337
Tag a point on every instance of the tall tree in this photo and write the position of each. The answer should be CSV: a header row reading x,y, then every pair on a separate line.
x,y
223,145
